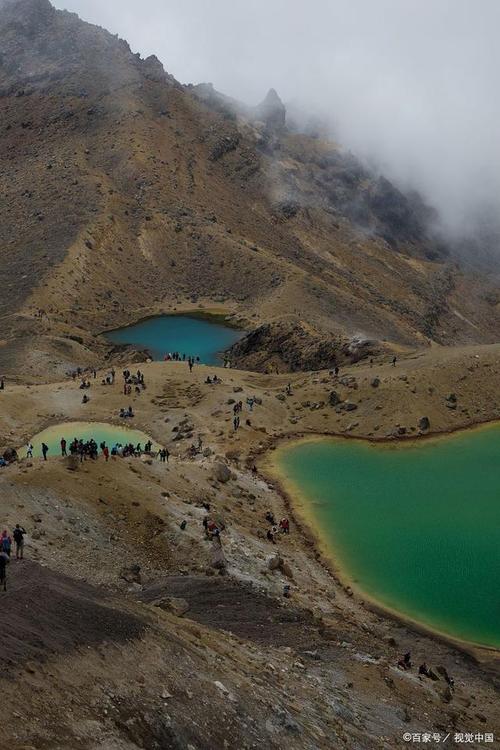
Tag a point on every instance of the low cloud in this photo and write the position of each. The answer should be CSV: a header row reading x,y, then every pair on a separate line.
x,y
412,86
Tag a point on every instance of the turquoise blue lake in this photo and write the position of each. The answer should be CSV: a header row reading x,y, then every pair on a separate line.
x,y
414,526
192,336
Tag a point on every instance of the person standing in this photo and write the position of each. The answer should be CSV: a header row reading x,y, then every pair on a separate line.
x,y
29,451
18,535
45,450
6,543
63,447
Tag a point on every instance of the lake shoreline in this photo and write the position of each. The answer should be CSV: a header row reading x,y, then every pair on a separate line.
x,y
298,506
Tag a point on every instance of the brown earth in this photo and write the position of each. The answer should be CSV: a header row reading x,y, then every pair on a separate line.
x,y
316,670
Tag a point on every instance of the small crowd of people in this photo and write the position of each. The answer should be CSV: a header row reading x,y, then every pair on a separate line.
x,y
6,543
88,449
406,664
109,378
133,381
195,450
126,413
212,527
175,357
283,527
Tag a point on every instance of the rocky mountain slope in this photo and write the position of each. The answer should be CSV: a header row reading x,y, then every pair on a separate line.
x,y
126,194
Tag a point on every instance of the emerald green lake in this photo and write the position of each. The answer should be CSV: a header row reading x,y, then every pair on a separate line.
x,y
100,431
192,336
414,526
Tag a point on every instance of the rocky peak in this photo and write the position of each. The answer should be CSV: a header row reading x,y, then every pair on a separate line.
x,y
26,14
272,111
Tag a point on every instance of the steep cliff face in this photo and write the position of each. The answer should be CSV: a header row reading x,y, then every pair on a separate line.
x,y
124,193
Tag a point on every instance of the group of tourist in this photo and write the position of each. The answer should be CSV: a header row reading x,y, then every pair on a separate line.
x,y
283,527
127,413
133,381
213,381
175,357
212,529
88,449
6,541
406,664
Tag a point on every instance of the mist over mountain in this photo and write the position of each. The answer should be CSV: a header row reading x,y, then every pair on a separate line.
x,y
125,193
411,87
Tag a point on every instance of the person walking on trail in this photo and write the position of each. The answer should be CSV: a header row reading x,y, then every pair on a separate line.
x,y
18,535
394,360
6,543
4,561
29,451
45,450
63,447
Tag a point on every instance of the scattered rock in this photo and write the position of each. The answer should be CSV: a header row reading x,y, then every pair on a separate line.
x,y
131,573
176,606
222,472
424,424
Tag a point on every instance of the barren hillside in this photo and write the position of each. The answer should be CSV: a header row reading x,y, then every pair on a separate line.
x,y
125,194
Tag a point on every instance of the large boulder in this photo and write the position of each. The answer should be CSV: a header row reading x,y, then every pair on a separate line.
x,y
175,605
222,472
72,462
334,399
131,573
272,111
218,559
10,455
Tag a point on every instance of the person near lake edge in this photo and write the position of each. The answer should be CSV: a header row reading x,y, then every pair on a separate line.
x,y
63,447
45,450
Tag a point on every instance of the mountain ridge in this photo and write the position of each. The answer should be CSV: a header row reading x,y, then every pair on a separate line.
x,y
125,193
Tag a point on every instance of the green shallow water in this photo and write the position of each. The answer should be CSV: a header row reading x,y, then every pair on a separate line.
x,y
192,336
100,431
416,527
